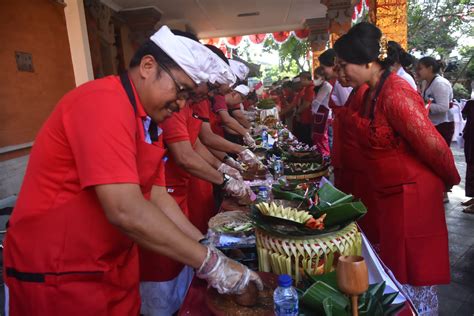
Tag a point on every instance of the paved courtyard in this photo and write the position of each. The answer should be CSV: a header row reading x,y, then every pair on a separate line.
x,y
457,298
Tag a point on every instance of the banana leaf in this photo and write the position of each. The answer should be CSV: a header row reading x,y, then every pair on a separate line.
x,y
376,290
295,195
341,213
315,295
284,228
330,196
371,303
279,193
328,278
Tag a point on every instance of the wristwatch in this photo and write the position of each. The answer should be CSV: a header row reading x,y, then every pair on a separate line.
x,y
226,179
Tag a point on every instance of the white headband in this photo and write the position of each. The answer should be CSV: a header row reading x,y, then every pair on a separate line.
x,y
196,60
242,89
239,69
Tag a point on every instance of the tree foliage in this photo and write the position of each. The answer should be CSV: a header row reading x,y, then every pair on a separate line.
x,y
292,54
438,24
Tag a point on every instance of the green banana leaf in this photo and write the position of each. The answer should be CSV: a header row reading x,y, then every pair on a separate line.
x,y
371,303
329,193
278,193
341,213
296,195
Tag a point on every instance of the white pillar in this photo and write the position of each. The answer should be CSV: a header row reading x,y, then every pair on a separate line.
x,y
78,41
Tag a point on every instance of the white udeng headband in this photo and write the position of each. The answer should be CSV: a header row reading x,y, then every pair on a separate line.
x,y
239,69
243,89
196,60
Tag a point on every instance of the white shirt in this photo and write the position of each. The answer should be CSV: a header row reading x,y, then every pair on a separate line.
x,y
340,94
146,127
440,92
322,97
403,74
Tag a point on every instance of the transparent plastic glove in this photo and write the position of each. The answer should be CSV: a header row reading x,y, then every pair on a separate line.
x,y
238,188
249,158
225,275
233,163
234,173
249,141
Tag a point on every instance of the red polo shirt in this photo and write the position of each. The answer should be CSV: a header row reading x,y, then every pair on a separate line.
x,y
182,126
89,139
307,94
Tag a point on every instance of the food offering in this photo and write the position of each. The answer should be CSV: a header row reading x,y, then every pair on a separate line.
x,y
292,215
266,104
255,172
231,222
268,113
303,162
309,233
251,303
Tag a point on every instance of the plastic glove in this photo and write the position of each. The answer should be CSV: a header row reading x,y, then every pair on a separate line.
x,y
225,275
249,158
238,188
249,141
233,163
234,173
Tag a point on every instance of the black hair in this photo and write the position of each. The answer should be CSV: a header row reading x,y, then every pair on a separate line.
x,y
399,55
328,58
185,34
407,60
361,45
306,75
319,72
252,96
218,52
436,65
150,48
287,85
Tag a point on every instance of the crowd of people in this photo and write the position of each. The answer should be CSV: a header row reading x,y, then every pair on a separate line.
x,y
127,171
384,119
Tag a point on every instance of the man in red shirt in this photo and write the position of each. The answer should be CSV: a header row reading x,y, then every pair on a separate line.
x,y
303,112
93,191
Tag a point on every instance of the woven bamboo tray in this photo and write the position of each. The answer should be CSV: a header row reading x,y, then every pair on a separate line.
x,y
291,255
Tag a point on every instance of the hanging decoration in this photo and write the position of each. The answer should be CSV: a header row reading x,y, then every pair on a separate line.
x,y
361,9
211,41
257,38
233,42
281,37
236,41
302,34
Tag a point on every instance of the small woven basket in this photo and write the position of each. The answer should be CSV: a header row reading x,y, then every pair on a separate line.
x,y
314,254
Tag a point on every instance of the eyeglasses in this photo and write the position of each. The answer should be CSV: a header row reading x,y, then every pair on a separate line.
x,y
182,93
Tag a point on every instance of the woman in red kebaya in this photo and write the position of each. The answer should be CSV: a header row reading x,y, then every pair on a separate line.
x,y
407,163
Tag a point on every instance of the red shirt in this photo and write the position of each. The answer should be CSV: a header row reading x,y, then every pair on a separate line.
x,y
89,139
217,105
201,109
182,126
307,94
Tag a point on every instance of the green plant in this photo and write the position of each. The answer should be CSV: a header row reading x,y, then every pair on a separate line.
x,y
322,295
460,92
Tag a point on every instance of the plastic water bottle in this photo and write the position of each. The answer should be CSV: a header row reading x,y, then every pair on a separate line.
x,y
285,297
278,168
264,138
262,193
